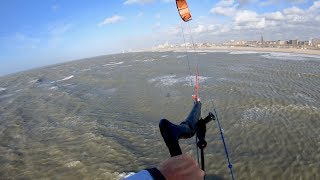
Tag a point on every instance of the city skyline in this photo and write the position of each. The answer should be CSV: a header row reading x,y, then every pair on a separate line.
x,y
37,33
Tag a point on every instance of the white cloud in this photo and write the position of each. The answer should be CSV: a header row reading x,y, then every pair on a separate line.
x,y
249,19
271,2
200,29
111,20
225,8
293,10
315,6
276,16
129,2
225,3
226,11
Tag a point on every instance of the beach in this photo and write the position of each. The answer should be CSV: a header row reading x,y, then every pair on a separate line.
x,y
239,48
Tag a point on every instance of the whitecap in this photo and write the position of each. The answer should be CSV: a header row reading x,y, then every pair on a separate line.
x,y
165,56
113,63
87,69
245,52
53,88
73,164
146,60
167,80
33,81
170,80
2,89
191,80
181,56
289,56
67,78
64,79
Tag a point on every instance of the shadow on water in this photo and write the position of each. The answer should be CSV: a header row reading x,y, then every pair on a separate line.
x,y
213,177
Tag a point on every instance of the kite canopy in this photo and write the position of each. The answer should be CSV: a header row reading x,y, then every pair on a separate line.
x,y
183,9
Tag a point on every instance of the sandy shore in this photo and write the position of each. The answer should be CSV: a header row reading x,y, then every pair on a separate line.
x,y
264,49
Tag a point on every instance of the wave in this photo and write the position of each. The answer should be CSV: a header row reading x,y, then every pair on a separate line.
x,y
53,88
146,60
181,56
64,79
258,114
289,56
170,80
2,89
304,97
245,52
113,63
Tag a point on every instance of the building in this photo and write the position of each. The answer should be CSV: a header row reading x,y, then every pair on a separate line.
x,y
293,42
282,43
315,42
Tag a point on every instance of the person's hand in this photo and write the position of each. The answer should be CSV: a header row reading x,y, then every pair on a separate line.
x,y
181,167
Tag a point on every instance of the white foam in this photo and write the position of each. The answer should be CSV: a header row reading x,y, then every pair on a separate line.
x,y
125,175
245,52
87,69
73,164
64,79
191,80
165,56
170,80
167,80
113,63
149,60
33,81
2,89
53,88
67,78
181,56
289,56
18,90
146,60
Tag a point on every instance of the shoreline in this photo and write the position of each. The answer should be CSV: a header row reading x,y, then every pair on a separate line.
x,y
256,49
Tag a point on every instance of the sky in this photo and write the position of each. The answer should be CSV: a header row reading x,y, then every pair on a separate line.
x,y
36,33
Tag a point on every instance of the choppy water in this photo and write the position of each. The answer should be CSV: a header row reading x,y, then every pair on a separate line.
x,y
98,118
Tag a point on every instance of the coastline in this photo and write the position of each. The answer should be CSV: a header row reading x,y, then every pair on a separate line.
x,y
256,49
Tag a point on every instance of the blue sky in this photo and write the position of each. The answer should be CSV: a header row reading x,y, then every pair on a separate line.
x,y
36,33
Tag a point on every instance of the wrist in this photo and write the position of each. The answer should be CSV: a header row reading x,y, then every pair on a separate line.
x,y
156,174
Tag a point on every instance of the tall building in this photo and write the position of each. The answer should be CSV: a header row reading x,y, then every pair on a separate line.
x,y
261,40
